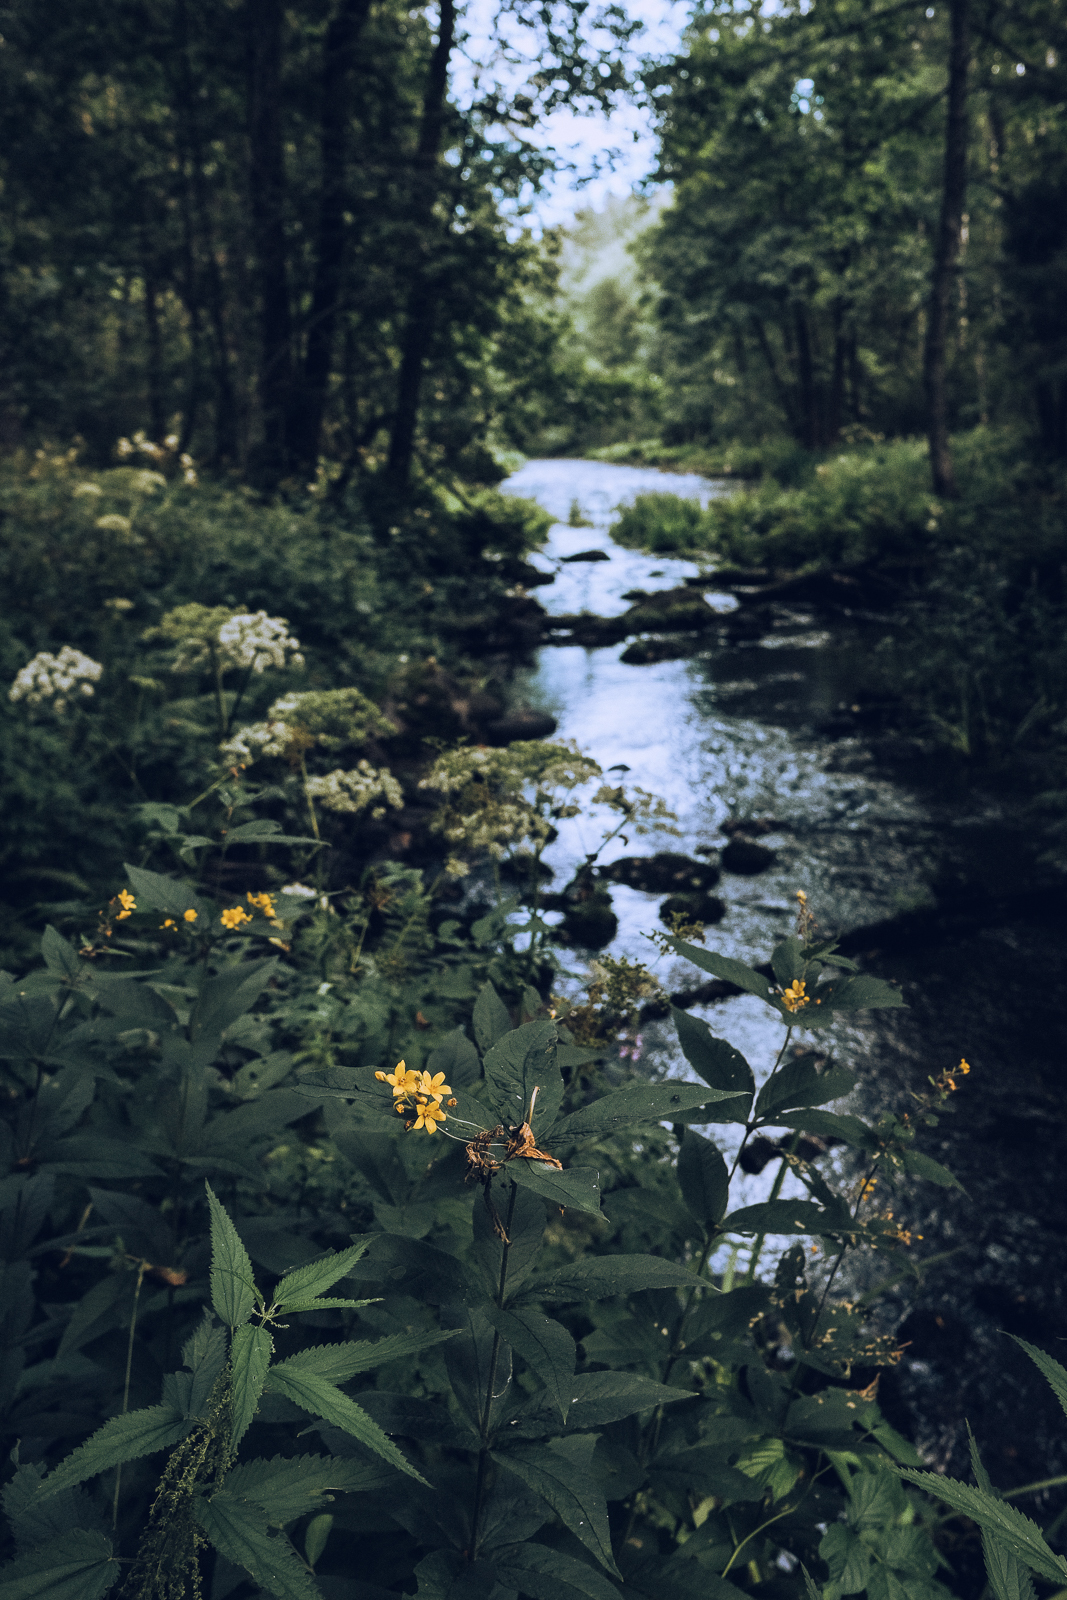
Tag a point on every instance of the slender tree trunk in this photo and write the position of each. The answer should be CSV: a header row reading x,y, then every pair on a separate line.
x,y
837,383
157,410
781,389
421,305
309,402
809,419
265,22
201,245
946,251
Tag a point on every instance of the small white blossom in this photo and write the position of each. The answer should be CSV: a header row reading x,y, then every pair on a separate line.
x,y
252,639
92,489
114,523
50,679
258,739
299,891
354,791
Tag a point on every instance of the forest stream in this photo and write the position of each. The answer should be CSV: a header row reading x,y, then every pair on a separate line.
x,y
931,882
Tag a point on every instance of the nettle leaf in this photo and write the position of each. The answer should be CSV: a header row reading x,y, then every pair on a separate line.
x,y
138,1433
1051,1370
77,1565
520,1062
289,1486
36,1519
562,1473
322,1399
239,1531
337,1363
600,1279
232,1290
546,1574
1020,1537
787,1216
576,1187
718,1063
304,1283
800,1083
546,1346
657,1102
491,1019
704,1179
1009,1579
724,967
249,1361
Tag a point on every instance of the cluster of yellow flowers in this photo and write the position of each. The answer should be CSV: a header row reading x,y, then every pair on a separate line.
x,y
128,904
262,902
233,917
417,1095
795,997
187,916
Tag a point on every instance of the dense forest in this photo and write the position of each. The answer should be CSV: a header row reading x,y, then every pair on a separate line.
x,y
277,321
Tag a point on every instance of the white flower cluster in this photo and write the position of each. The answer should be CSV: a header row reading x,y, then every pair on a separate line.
x,y
252,639
48,678
356,790
258,739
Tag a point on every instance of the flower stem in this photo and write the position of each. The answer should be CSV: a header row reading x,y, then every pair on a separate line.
x,y
487,1409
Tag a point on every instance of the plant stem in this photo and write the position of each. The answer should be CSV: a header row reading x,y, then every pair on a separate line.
x,y
776,1189
483,1454
141,1270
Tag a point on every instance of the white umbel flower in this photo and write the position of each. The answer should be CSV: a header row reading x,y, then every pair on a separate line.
x,y
49,679
357,790
252,639
258,739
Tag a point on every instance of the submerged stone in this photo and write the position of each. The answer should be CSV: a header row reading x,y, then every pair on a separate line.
x,y
747,858
665,872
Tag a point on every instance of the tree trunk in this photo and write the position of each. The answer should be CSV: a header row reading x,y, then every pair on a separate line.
x,y
305,422
781,389
809,417
265,21
421,305
946,251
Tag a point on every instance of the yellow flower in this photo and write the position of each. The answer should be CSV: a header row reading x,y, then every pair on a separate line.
x,y
802,897
403,1079
435,1086
169,923
127,902
234,917
794,997
964,1067
263,902
430,1114
190,916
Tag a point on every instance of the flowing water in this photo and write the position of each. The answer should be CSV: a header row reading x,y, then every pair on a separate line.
x,y
943,877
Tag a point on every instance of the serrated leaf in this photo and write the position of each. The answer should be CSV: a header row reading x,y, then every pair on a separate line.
x,y
718,1063
1051,1371
724,967
77,1565
320,1397
239,1531
232,1289
785,1216
304,1283
546,1574
491,1019
289,1486
294,1308
562,1474
703,1178
576,1188
138,1433
810,1591
1008,1578
599,1278
638,1103
1020,1537
249,1359
544,1345
337,1363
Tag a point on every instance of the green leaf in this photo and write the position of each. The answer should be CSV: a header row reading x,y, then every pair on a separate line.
x,y
154,892
704,1180
228,995
600,1278
101,1308
232,1290
810,1591
288,1487
337,1363
1020,1537
848,1558
598,1398
60,955
789,961
239,1531
638,1103
304,1283
249,1359
718,1063
860,994
561,1473
921,1166
786,1216
77,1565
519,1062
724,967
544,1345
546,1574
577,1187
315,1394
1051,1370
138,1433
829,1125
1008,1578
799,1083
457,1058
491,1019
